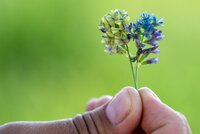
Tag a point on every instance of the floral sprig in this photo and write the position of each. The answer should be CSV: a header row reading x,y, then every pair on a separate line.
x,y
117,31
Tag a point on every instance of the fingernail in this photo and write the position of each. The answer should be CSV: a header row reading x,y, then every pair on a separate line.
x,y
119,107
151,93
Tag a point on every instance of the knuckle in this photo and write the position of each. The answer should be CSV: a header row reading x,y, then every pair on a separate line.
x,y
101,123
91,126
80,124
92,122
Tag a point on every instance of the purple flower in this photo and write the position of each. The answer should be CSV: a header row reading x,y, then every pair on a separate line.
x,y
156,51
151,61
145,31
150,50
156,36
152,42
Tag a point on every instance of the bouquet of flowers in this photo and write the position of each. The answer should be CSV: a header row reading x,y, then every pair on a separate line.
x,y
118,31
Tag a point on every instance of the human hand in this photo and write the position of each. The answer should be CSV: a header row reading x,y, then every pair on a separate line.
x,y
128,112
139,112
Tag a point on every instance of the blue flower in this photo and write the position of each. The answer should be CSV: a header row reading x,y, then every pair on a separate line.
x,y
145,31
147,24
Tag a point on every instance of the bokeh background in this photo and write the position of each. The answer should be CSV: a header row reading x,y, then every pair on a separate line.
x,y
52,62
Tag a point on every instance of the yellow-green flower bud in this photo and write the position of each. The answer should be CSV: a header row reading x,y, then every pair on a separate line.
x,y
114,28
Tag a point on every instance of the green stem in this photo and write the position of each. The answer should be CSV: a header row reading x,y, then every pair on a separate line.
x,y
136,75
142,39
132,67
133,74
137,67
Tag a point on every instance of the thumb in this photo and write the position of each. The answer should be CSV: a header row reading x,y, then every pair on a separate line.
x,y
121,115
158,118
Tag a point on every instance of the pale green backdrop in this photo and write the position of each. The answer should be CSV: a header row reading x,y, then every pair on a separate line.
x,y
52,62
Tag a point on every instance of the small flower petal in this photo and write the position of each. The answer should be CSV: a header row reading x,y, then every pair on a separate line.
x,y
156,51
150,61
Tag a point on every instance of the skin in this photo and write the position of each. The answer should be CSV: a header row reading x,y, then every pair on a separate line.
x,y
129,112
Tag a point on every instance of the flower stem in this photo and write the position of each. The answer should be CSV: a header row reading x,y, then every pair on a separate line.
x,y
132,67
136,75
133,74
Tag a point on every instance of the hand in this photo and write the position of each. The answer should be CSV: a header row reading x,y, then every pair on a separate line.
x,y
139,112
128,112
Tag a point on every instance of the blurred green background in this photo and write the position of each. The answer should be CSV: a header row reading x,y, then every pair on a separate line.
x,y
52,62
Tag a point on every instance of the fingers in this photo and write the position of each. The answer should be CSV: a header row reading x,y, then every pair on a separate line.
x,y
94,103
158,118
120,115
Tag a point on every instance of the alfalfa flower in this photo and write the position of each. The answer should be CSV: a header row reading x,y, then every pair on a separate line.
x,y
115,33
118,31
146,36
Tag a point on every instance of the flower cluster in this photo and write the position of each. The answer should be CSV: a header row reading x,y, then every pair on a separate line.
x,y
118,31
115,32
144,31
